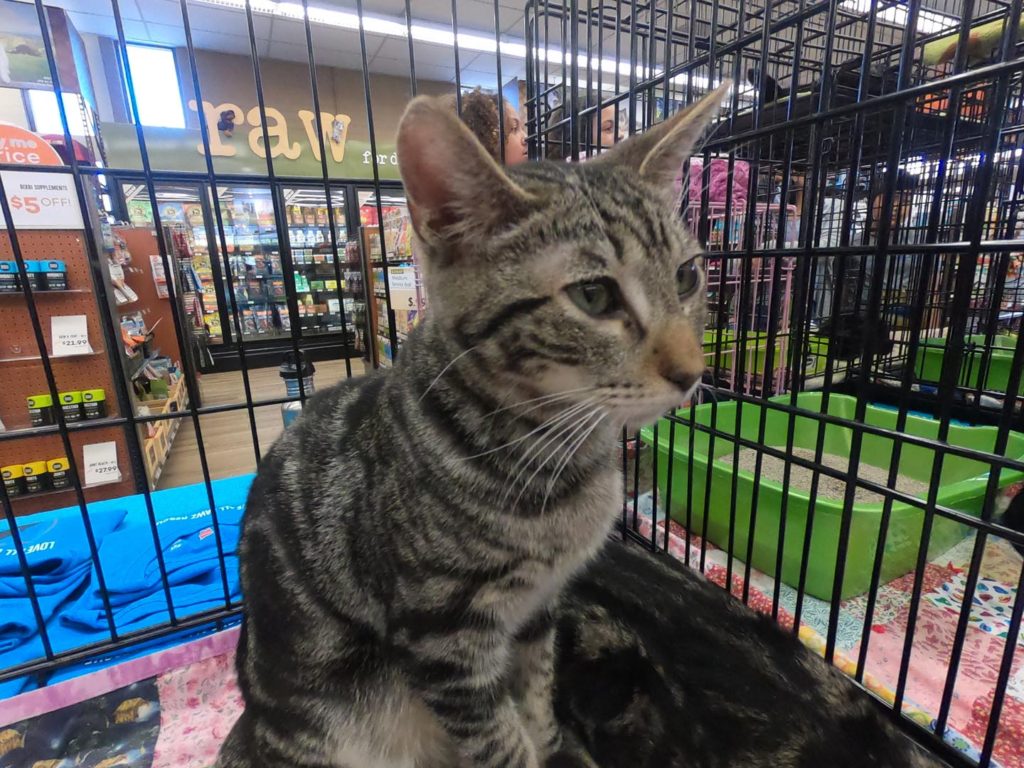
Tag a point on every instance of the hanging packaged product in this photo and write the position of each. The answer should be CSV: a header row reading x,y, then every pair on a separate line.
x,y
37,479
40,410
9,279
36,276
71,405
14,480
53,275
60,473
94,403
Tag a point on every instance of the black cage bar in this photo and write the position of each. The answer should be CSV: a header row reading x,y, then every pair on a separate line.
x,y
861,202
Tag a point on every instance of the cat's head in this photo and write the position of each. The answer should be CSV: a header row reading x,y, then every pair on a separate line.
x,y
562,278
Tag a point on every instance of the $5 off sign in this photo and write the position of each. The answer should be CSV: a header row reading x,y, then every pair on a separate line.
x,y
42,200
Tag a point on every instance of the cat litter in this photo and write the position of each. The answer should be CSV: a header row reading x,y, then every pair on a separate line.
x,y
773,469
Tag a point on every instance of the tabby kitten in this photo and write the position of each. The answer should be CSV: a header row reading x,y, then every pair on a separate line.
x,y
407,538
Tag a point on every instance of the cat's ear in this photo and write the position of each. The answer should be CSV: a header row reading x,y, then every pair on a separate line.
x,y
454,187
657,155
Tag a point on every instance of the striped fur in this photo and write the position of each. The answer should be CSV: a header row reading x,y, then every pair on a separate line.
x,y
659,668
407,540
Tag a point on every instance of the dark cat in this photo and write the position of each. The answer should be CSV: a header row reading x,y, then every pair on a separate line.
x,y
659,668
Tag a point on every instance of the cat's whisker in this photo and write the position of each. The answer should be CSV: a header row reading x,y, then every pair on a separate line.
x,y
567,413
443,372
708,390
566,435
527,458
522,466
569,454
553,397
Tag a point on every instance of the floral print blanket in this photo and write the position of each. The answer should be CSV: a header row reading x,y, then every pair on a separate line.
x,y
942,594
173,708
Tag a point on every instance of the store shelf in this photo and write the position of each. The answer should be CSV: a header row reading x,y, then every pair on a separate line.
x,y
30,358
53,429
156,448
45,494
142,362
37,293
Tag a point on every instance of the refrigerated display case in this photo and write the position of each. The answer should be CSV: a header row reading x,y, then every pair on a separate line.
x,y
254,259
182,207
329,296
405,279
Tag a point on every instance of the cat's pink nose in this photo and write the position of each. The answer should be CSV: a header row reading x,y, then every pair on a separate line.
x,y
677,357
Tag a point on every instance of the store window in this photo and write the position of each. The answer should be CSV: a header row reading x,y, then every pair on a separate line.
x,y
46,116
157,89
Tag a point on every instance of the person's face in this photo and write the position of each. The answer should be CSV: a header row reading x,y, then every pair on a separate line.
x,y
515,137
609,126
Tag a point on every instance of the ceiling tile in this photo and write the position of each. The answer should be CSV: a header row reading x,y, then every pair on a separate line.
x,y
215,41
133,31
514,24
288,31
163,12
230,22
389,7
127,8
288,52
425,72
343,59
429,54
395,48
470,78
166,34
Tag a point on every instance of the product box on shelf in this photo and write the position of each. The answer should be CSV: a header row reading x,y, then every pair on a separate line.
x,y
40,410
10,280
37,478
52,275
36,277
14,480
94,403
71,405
60,473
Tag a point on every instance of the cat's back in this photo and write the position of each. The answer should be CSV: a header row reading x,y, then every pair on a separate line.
x,y
304,505
646,644
316,459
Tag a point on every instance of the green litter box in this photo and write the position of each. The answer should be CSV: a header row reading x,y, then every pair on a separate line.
x,y
962,487
931,353
755,350
817,355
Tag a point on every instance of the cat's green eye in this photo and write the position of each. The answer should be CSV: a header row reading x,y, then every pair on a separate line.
x,y
687,279
597,297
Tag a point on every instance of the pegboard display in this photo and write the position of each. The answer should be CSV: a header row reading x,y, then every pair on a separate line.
x,y
157,311
22,373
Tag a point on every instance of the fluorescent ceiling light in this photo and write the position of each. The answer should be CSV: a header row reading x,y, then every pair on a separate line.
x,y
473,41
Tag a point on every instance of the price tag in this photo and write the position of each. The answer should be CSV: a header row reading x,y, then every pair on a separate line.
x,y
42,200
100,460
156,266
402,281
69,335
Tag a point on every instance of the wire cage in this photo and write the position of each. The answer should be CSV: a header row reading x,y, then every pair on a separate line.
x,y
860,206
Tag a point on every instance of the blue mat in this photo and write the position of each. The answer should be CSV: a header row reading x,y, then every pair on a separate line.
x,y
67,582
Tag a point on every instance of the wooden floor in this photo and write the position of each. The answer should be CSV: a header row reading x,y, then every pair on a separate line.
x,y
227,437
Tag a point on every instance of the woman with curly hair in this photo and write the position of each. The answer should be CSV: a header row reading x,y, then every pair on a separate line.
x,y
480,114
